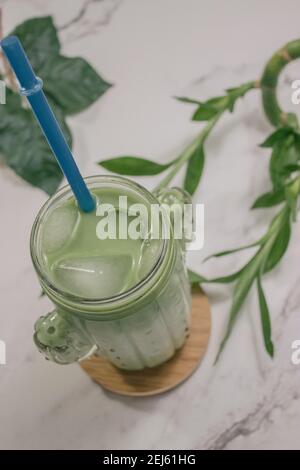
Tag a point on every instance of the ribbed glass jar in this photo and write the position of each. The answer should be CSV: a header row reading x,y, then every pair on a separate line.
x,y
141,327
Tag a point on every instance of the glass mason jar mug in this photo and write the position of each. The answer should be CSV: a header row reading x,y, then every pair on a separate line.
x,y
126,300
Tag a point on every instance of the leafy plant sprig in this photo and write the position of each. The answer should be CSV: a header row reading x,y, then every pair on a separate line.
x,y
70,84
284,171
193,155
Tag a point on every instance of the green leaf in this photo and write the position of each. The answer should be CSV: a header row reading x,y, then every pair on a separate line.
x,y
210,108
39,39
277,136
233,94
241,90
265,319
29,154
218,102
195,278
292,168
291,202
274,244
204,113
292,121
133,166
78,85
187,100
226,279
235,250
269,199
292,191
241,291
284,154
275,166
194,170
213,106
285,157
72,82
280,244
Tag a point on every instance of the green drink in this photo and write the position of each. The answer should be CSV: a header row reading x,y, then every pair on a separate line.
x,y
83,264
125,298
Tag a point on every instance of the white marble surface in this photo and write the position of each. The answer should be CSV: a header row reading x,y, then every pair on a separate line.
x,y
151,51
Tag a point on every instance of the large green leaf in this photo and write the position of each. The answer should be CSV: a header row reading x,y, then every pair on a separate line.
x,y
24,147
72,82
39,39
194,170
133,166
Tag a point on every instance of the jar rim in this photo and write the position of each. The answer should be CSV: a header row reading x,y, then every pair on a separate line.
x,y
45,280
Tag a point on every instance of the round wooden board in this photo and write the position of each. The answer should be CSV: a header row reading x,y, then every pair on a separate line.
x,y
162,378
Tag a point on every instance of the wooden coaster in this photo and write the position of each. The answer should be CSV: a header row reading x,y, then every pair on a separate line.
x,y
166,376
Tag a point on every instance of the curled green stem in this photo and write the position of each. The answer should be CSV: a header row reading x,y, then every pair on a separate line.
x,y
269,80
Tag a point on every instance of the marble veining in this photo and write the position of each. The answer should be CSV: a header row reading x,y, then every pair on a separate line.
x,y
152,51
91,17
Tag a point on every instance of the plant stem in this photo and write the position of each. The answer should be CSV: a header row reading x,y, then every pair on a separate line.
x,y
269,80
188,152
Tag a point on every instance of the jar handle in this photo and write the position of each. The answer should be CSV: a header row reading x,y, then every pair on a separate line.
x,y
59,340
171,196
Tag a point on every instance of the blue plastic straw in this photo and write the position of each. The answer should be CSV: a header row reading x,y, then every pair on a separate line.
x,y
31,87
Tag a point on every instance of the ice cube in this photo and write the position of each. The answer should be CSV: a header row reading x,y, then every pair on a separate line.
x,y
58,228
94,276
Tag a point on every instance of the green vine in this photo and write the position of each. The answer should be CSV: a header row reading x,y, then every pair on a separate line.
x,y
269,81
284,171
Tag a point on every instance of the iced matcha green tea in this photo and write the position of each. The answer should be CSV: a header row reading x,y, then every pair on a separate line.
x,y
122,294
125,298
